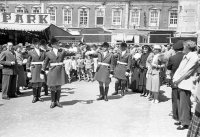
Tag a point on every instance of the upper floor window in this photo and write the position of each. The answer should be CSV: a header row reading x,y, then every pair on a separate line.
x,y
173,18
116,16
52,11
100,13
83,17
135,17
36,9
154,17
2,8
20,9
67,15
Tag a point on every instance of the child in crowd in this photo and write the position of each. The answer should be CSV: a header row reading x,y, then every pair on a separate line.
x,y
74,67
80,67
88,67
68,67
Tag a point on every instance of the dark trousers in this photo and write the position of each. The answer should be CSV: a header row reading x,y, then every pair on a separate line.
x,y
175,106
9,85
184,108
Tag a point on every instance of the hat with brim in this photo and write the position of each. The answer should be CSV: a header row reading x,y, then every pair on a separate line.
x,y
178,45
157,47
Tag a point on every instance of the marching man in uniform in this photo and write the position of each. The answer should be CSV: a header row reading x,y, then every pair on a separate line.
x,y
104,69
56,75
122,69
33,67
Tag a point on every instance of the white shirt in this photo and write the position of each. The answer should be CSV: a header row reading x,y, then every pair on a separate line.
x,y
186,71
37,51
105,53
123,52
55,51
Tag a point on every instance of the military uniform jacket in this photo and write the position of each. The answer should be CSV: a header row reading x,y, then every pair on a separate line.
x,y
56,75
103,70
35,69
123,65
6,58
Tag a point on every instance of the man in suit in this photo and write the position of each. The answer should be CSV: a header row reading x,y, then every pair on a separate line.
x,y
8,60
122,69
172,66
33,67
184,80
56,75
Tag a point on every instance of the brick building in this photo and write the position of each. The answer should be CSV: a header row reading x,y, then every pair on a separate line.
x,y
141,20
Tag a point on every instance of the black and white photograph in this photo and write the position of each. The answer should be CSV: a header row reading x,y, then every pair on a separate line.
x,y
99,68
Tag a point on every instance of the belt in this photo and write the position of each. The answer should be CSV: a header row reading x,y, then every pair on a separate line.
x,y
56,64
36,63
122,63
104,64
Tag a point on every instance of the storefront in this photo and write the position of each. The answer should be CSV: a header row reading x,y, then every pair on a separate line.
x,y
21,28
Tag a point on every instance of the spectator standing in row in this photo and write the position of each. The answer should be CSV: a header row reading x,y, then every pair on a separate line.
x,y
183,79
21,77
173,64
8,60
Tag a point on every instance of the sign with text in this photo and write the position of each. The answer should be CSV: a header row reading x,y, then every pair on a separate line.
x,y
24,18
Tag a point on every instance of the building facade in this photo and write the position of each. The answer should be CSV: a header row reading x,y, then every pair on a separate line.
x,y
189,20
143,15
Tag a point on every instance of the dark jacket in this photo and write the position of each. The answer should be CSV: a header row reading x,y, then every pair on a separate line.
x,y
174,62
6,57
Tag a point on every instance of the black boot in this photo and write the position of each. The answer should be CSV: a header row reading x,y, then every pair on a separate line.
x,y
34,95
58,98
39,94
116,88
45,90
53,100
101,97
106,93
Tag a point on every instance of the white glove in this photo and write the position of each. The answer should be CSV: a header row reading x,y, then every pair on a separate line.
x,y
41,76
29,74
46,71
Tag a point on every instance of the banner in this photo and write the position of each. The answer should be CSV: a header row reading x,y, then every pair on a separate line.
x,y
24,18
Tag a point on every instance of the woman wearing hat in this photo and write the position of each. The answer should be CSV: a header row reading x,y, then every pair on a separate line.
x,y
143,69
153,79
104,69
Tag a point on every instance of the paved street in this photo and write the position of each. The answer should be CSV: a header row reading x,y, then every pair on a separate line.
x,y
83,116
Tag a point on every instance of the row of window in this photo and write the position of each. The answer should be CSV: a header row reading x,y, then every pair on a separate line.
x,y
83,16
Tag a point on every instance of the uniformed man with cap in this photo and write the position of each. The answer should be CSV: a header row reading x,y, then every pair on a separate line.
x,y
122,69
33,67
104,71
56,75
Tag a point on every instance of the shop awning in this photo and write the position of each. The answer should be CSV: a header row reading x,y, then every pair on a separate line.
x,y
23,27
131,32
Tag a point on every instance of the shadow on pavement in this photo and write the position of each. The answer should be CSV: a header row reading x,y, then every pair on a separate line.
x,y
48,98
162,97
70,92
72,102
67,88
27,93
1,104
114,97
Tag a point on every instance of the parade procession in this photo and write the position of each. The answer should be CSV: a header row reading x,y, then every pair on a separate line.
x,y
100,68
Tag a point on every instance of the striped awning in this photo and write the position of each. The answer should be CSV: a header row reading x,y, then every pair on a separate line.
x,y
23,27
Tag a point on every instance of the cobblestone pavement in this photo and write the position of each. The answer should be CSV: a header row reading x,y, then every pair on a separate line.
x,y
83,116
